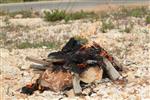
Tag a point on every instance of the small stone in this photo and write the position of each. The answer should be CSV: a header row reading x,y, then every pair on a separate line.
x,y
91,74
86,91
25,73
132,97
108,84
70,93
24,67
93,94
44,47
87,98
124,95
19,16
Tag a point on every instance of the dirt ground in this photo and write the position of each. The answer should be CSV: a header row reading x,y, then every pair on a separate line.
x,y
131,49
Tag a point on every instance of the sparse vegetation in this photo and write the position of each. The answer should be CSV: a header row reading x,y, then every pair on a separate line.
x,y
15,1
24,13
127,12
136,12
10,1
8,24
123,13
3,13
2,36
128,28
122,21
58,15
148,19
6,20
106,25
47,44
10,27
54,15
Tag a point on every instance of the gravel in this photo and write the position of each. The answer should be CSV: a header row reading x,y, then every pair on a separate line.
x,y
131,49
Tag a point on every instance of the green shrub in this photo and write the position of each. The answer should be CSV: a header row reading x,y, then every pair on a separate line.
x,y
58,15
27,44
128,28
138,12
10,1
2,36
7,21
106,25
54,15
135,12
130,12
148,19
14,1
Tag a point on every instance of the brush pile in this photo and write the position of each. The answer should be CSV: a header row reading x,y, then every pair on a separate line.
x,y
78,61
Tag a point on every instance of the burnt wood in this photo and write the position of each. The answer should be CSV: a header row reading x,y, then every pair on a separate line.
x,y
76,84
76,58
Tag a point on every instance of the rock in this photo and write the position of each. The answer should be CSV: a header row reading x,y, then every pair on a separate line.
x,y
86,91
124,95
70,93
91,74
93,94
19,16
56,80
24,67
25,73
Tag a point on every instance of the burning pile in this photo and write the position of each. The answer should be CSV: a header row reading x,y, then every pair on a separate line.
x,y
78,61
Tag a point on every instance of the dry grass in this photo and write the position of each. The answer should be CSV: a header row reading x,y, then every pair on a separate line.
x,y
113,7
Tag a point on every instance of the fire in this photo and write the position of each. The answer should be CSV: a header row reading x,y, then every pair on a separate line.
x,y
81,65
29,85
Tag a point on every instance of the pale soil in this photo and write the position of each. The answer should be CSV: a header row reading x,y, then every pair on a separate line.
x,y
132,50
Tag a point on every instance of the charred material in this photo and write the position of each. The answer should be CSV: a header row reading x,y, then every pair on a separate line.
x,y
77,61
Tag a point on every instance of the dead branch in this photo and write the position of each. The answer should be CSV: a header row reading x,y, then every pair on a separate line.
x,y
39,61
111,71
76,84
38,66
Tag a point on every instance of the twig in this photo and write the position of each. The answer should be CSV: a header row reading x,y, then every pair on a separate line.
x,y
112,72
76,84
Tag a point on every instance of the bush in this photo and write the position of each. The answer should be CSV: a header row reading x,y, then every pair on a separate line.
x,y
27,44
135,12
106,25
128,28
58,15
130,12
54,15
148,19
